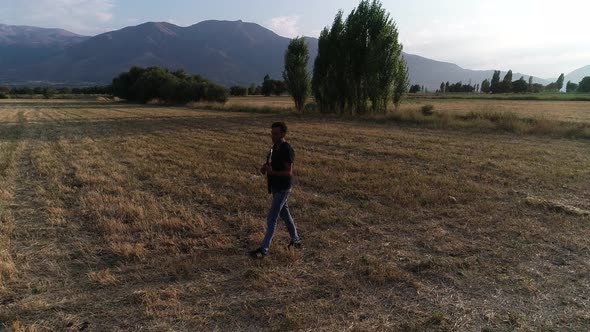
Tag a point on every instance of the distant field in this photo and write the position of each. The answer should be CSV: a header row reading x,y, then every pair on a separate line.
x,y
122,217
571,111
547,96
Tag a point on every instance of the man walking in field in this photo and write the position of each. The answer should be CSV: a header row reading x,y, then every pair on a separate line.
x,y
279,170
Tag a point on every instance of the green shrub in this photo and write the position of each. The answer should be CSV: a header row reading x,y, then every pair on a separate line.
x,y
427,110
4,96
48,93
216,93
145,84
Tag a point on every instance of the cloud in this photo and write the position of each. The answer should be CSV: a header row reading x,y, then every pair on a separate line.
x,y
80,16
525,46
287,26
534,37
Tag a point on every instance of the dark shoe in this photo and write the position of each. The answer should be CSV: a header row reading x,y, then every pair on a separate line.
x,y
258,253
295,245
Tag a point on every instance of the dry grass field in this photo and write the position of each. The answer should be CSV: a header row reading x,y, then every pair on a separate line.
x,y
122,217
570,111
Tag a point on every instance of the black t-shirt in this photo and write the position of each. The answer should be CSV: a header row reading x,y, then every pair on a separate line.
x,y
281,155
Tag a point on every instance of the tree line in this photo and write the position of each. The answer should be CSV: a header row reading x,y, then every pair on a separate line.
x,y
446,87
507,85
145,84
582,87
49,92
359,67
268,88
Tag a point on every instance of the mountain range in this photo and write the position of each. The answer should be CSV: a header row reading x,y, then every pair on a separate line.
x,y
24,45
226,52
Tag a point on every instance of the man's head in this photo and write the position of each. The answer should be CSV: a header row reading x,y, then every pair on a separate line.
x,y
278,132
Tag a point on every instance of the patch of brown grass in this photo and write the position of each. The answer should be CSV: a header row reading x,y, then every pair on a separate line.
x,y
9,148
488,121
104,277
565,111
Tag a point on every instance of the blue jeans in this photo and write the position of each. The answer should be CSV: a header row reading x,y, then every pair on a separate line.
x,y
278,208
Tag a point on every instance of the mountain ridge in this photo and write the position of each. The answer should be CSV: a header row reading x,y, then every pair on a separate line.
x,y
24,34
21,45
226,52
577,75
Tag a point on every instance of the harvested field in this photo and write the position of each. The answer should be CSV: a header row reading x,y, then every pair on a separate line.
x,y
567,111
122,217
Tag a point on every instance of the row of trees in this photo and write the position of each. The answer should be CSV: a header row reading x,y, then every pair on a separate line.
x,y
272,87
457,87
268,88
50,91
359,66
507,85
522,86
582,87
447,87
144,84
241,91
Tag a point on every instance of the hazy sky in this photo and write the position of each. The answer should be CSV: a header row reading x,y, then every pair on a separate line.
x,y
538,37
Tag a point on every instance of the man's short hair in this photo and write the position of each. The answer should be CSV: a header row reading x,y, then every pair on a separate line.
x,y
281,125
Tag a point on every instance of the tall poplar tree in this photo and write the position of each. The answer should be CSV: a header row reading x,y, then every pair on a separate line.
x,y
507,82
559,81
584,85
495,84
359,63
485,86
401,84
571,87
295,74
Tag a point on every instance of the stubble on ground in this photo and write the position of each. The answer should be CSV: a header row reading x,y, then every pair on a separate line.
x,y
120,217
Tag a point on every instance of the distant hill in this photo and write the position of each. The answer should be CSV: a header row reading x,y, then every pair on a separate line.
x,y
31,36
226,52
22,45
577,75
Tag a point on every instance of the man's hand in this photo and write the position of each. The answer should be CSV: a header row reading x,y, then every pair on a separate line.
x,y
265,168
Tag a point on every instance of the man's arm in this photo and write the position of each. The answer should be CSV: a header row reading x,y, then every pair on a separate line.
x,y
287,172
